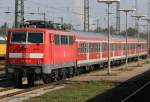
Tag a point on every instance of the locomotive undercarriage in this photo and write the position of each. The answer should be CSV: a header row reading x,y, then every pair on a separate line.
x,y
24,74
59,74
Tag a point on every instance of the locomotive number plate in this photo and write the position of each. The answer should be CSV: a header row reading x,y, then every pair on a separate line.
x,y
24,80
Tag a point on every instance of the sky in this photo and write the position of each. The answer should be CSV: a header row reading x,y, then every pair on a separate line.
x,y
71,11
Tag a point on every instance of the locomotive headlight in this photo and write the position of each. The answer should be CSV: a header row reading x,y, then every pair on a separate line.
x,y
39,62
10,70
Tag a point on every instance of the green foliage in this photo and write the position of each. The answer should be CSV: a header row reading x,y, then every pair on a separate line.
x,y
3,29
132,31
105,30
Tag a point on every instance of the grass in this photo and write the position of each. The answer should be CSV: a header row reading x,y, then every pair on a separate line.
x,y
76,92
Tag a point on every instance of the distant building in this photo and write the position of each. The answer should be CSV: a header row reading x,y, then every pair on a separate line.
x,y
2,38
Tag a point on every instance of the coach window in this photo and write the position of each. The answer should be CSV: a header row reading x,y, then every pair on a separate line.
x,y
116,47
79,47
94,47
103,47
99,47
89,47
57,41
64,40
111,46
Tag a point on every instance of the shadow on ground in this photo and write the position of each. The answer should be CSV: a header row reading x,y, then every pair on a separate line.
x,y
120,92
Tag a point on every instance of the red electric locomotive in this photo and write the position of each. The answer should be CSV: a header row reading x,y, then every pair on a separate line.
x,y
42,53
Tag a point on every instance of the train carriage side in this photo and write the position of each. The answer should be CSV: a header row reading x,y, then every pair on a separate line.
x,y
92,49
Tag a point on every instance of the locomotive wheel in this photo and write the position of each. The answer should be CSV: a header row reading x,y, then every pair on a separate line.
x,y
18,79
30,78
72,72
47,79
75,71
55,76
69,73
63,74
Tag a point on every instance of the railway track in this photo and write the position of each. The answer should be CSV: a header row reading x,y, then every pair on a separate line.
x,y
2,66
11,91
1,69
3,79
135,92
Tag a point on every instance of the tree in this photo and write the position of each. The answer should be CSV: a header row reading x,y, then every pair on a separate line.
x,y
98,29
3,29
132,31
105,30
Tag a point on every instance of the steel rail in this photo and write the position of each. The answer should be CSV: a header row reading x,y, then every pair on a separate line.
x,y
135,92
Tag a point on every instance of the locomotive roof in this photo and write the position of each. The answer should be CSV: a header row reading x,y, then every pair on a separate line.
x,y
101,35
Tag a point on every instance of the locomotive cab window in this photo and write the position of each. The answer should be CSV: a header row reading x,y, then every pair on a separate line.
x,y
71,40
64,40
18,37
57,39
35,37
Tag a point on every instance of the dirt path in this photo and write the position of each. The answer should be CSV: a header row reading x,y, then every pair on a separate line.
x,y
118,75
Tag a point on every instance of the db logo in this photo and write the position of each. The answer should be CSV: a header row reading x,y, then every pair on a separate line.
x,y
25,55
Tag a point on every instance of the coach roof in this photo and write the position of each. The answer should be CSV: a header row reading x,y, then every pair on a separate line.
x,y
101,35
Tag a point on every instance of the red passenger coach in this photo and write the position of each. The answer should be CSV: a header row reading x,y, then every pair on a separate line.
x,y
42,53
93,48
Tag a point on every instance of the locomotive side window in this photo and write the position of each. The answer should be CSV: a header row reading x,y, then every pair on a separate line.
x,y
18,37
64,40
35,37
57,41
71,40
